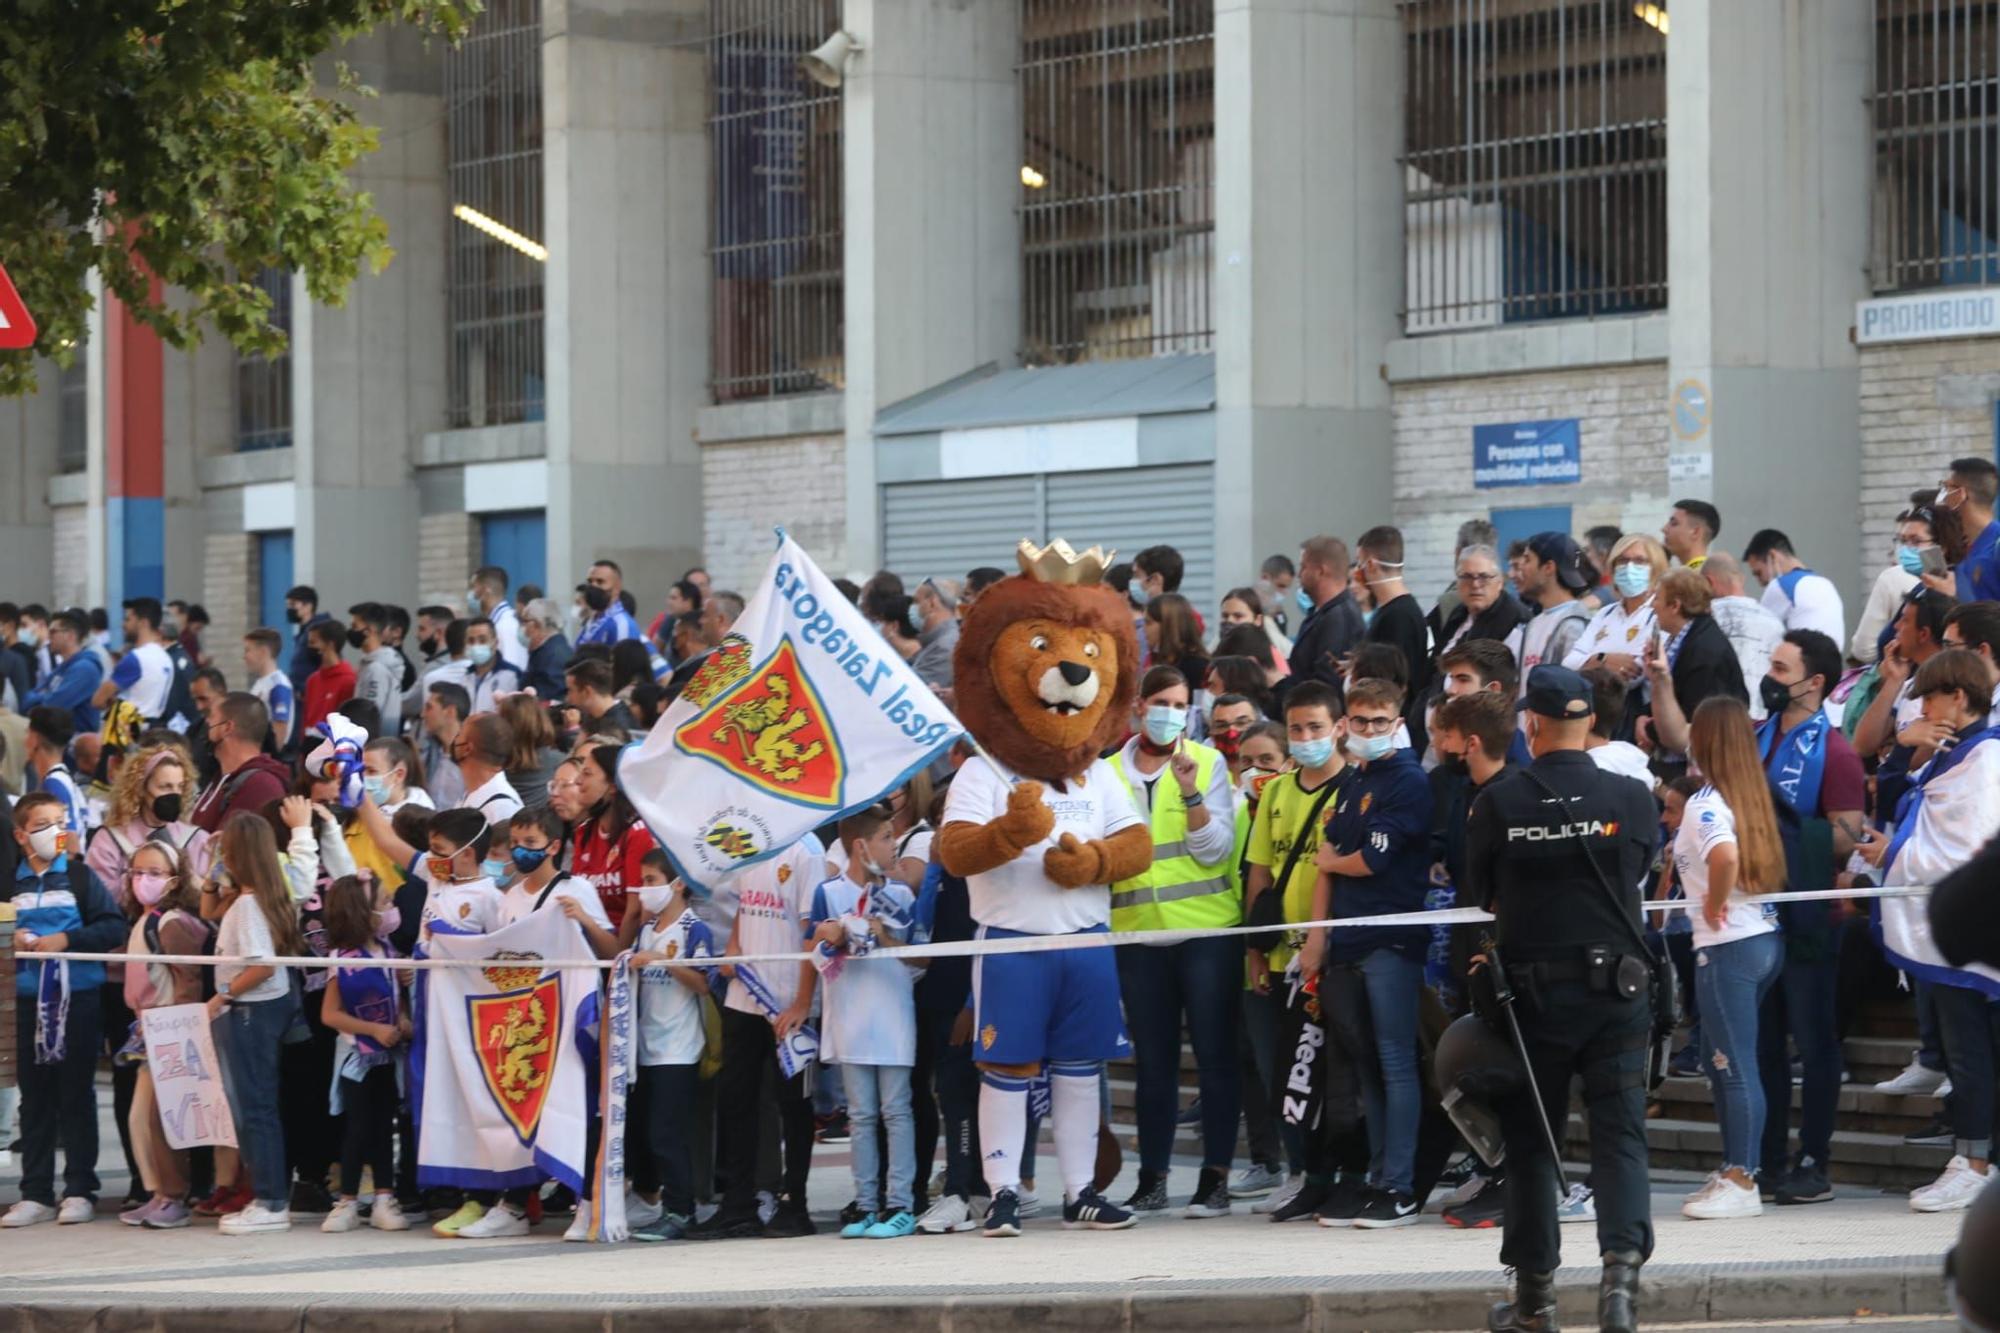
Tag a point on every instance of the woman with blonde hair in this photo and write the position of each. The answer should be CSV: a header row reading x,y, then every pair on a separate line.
x,y
1727,851
1616,636
153,790
535,755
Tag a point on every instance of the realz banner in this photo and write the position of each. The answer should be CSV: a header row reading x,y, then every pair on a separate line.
x,y
803,714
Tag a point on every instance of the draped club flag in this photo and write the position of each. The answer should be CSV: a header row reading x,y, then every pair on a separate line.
x,y
802,714
504,1078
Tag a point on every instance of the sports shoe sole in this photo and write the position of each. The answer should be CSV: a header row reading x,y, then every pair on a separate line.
x,y
1383,1223
1476,1224
1126,1225
1002,1232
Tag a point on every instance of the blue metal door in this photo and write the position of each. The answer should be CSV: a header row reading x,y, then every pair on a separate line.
x,y
517,541
274,578
1517,525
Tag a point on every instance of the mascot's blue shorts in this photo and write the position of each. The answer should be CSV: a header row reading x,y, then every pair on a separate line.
x,y
1062,1005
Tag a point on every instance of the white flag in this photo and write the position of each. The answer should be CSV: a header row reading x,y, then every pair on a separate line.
x,y
501,1090
803,714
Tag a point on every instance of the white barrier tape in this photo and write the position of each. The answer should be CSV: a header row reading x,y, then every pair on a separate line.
x,y
1103,939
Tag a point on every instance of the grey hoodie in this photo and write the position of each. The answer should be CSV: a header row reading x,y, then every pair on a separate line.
x,y
380,682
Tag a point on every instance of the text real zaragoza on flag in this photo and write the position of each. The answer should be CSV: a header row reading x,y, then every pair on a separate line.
x,y
803,714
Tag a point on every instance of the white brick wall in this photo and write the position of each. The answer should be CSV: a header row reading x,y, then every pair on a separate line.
x,y
1622,411
71,529
1922,405
229,591
447,553
751,487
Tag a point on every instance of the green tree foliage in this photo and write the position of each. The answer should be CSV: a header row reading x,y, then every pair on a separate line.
x,y
188,140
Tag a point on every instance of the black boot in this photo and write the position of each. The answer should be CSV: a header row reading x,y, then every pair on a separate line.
x,y
1533,1309
1618,1293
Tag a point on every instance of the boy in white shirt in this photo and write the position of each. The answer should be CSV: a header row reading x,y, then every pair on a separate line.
x,y
869,1019
672,1035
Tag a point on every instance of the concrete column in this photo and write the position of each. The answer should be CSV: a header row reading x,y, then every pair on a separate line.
x,y
1308,246
368,377
625,160
1767,250
29,427
931,129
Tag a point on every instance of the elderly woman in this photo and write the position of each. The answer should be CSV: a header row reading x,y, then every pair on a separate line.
x,y
1695,663
1484,609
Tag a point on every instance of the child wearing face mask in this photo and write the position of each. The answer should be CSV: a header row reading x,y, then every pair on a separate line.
x,y
673,1035
164,905
366,1006
869,1019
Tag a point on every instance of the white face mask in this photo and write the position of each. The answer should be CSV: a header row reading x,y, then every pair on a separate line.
x,y
874,868
44,843
655,897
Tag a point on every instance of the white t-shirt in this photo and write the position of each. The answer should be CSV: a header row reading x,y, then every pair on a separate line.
x,y
868,1013
1018,896
1625,759
1708,824
469,907
507,630
145,676
1814,604
670,1028
495,798
1612,630
518,900
246,933
772,900
274,690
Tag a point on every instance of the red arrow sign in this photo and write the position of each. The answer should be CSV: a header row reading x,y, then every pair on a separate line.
x,y
17,326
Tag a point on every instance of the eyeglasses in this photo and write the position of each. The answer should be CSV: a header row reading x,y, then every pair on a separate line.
x,y
1478,580
1372,726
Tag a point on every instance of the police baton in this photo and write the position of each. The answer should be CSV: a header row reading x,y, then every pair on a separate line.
x,y
1503,996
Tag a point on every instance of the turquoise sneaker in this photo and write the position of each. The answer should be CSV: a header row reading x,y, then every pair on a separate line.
x,y
858,1228
897,1224
668,1226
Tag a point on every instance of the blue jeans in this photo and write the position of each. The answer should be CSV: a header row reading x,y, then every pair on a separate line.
x,y
1969,1024
879,1095
251,1035
1391,1088
1201,980
1732,980
1803,1004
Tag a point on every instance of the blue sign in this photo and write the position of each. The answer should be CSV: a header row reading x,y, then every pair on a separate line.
x,y
1527,453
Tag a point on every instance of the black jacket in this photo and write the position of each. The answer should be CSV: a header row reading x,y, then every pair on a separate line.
x,y
1327,635
545,668
1706,666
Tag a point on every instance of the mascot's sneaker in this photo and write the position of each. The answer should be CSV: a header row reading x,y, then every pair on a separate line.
x,y
1093,1212
1003,1215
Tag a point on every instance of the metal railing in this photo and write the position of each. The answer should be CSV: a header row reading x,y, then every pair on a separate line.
x,y
493,166
264,383
1117,178
775,222
1534,160
1936,109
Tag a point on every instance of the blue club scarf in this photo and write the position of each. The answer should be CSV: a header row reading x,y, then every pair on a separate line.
x,y
1796,761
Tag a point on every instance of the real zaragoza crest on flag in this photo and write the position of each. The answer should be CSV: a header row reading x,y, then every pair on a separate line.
x,y
803,714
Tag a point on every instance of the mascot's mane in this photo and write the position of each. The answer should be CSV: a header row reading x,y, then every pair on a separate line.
x,y
1014,740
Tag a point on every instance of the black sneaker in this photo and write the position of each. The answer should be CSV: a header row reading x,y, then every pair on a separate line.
x,y
1211,1196
790,1221
723,1227
1343,1202
1150,1197
1303,1204
1937,1134
1003,1215
834,1128
1482,1211
310,1198
1387,1208
1805,1183
1093,1212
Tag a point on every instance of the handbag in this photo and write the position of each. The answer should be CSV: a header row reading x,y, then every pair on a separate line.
x,y
1268,911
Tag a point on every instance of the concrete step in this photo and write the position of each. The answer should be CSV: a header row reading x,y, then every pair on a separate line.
x,y
1859,1157
1861,1107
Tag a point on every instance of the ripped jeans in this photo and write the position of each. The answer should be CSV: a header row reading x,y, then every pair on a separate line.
x,y
1731,981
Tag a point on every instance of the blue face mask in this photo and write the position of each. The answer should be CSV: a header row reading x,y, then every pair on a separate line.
x,y
378,790
1313,753
472,601
1631,580
1164,723
1370,748
495,870
1136,593
479,654
1299,595
1911,559
528,860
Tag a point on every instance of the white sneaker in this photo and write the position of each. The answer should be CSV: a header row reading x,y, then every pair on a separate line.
x,y
1282,1195
1943,1090
948,1215
387,1214
1579,1205
27,1213
639,1213
1254,1182
500,1220
256,1219
1028,1203
1725,1199
579,1226
1703,1190
345,1215
767,1206
75,1209
1955,1189
1914,1081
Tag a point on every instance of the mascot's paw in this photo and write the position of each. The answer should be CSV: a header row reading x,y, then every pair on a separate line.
x,y
1073,863
1028,819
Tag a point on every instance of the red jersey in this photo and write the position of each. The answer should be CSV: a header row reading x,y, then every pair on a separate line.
x,y
326,689
611,867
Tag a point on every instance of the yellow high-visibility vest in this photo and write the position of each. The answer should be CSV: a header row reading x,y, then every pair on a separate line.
x,y
1176,892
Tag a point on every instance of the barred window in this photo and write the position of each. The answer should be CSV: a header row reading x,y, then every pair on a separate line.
x,y
73,414
264,383
1937,144
1117,178
775,238
1534,160
493,166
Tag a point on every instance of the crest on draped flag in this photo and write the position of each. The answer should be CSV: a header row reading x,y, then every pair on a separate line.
x,y
517,1035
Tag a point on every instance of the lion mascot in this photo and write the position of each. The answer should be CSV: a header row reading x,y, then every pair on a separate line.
x,y
1046,672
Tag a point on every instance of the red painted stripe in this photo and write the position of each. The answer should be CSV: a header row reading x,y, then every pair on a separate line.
x,y
134,403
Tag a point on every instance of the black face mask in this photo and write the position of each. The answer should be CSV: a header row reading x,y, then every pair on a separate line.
x,y
355,638
167,807
292,616
1775,694
429,646
1455,765
595,598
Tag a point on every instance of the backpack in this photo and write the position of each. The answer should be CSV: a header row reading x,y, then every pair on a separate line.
x,y
207,950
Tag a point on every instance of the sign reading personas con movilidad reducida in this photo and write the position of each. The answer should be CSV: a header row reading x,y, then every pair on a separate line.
x,y
1527,453
803,714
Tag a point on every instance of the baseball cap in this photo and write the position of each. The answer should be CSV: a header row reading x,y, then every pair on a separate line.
x,y
1562,550
1557,692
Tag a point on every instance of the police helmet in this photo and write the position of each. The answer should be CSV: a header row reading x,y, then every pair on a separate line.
x,y
1477,1069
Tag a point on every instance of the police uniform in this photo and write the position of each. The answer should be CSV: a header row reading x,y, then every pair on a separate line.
x,y
1529,843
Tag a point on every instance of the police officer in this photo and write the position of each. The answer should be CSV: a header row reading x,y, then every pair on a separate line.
x,y
1557,852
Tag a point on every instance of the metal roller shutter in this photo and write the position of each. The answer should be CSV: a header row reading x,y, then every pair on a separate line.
x,y
941,529
1134,508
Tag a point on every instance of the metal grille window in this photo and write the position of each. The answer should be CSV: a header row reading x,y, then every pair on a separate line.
x,y
73,414
493,162
1534,160
264,383
1117,178
775,239
1937,143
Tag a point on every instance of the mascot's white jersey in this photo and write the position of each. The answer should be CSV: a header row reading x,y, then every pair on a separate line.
x,y
1019,895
